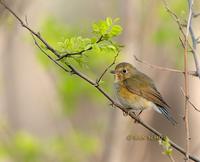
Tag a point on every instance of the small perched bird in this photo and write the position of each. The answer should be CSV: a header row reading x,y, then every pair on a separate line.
x,y
137,92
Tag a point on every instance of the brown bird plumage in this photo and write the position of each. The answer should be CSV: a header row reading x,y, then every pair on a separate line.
x,y
136,91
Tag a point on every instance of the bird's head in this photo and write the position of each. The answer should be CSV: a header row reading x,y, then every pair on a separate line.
x,y
123,71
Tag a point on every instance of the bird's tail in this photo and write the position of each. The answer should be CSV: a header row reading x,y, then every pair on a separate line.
x,y
167,114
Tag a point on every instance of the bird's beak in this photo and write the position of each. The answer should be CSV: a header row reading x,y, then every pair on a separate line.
x,y
112,71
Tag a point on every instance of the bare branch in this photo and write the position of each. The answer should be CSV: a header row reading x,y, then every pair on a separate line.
x,y
186,81
171,158
194,106
193,73
174,16
61,66
190,102
30,30
193,46
91,82
104,72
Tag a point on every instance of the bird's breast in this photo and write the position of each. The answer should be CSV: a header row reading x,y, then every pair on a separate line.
x,y
131,100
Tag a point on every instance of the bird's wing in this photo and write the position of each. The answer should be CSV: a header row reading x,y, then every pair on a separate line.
x,y
143,86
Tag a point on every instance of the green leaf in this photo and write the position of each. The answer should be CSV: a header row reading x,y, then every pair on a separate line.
x,y
116,30
96,48
168,151
27,145
88,46
95,28
109,21
112,47
116,20
166,146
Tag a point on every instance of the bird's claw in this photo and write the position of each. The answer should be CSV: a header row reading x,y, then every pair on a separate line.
x,y
125,113
128,112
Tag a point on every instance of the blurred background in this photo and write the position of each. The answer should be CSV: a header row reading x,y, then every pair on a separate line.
x,y
46,115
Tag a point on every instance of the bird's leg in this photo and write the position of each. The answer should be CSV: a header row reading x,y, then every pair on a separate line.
x,y
132,111
129,111
139,113
124,113
138,116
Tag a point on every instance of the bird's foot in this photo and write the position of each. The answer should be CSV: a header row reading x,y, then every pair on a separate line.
x,y
125,113
139,113
129,112
137,118
112,105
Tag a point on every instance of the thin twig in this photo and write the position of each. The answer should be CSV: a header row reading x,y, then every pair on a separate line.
x,y
171,158
174,16
61,66
190,102
104,72
156,66
43,51
34,33
93,83
194,106
194,41
193,73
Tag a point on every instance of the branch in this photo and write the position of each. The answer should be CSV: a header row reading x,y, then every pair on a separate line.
x,y
174,16
194,41
193,106
190,102
186,81
93,83
193,73
171,158
104,72
30,30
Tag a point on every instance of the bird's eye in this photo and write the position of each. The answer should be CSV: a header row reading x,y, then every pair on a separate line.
x,y
124,71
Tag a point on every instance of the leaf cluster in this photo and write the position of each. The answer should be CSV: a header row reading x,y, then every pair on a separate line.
x,y
165,143
75,48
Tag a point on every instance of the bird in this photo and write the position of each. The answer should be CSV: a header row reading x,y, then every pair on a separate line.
x,y
136,91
